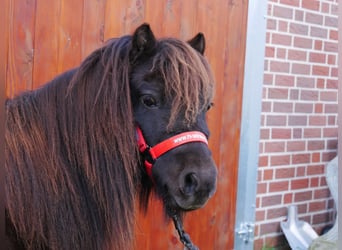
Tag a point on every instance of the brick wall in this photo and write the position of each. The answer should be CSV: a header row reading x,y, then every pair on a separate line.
x,y
299,116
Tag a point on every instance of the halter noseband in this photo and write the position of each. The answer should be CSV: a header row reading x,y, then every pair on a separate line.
x,y
151,154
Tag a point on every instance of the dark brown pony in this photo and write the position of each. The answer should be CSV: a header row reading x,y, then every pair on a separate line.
x,y
73,168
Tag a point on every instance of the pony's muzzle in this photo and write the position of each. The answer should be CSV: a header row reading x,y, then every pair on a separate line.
x,y
196,188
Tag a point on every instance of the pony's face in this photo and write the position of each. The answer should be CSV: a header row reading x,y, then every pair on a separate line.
x,y
184,177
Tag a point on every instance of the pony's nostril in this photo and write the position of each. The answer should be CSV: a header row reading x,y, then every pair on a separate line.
x,y
191,184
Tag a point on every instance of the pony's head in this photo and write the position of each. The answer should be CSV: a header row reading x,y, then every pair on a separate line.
x,y
171,90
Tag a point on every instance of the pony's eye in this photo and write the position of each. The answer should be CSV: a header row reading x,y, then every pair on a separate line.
x,y
210,106
149,101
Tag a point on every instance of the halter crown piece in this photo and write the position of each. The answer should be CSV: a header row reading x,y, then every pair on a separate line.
x,y
151,154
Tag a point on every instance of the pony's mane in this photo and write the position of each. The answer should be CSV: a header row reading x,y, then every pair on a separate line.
x,y
187,78
71,146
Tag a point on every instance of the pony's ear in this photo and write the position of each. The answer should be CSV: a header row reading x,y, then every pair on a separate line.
x,y
143,41
198,43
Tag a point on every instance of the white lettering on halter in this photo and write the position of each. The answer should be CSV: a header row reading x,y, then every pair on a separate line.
x,y
188,137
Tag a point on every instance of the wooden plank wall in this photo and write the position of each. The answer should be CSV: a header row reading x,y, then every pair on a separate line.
x,y
45,38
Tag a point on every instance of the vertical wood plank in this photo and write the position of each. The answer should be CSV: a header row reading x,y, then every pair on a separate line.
x,y
21,46
93,26
69,34
45,65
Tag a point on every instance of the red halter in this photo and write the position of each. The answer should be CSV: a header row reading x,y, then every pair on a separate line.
x,y
166,145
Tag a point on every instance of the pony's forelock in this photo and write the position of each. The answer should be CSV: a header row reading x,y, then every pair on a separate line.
x,y
187,77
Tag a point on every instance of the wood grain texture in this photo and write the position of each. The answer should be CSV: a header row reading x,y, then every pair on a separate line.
x,y
49,37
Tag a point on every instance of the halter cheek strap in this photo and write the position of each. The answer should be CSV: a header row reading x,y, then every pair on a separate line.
x,y
153,153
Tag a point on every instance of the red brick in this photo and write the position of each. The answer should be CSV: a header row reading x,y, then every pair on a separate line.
x,y
270,227
282,12
331,47
318,45
304,108
320,83
268,79
320,70
302,209
284,80
317,206
288,198
310,4
284,173
260,215
265,134
334,72
299,15
294,94
300,158
305,82
331,59
333,35
334,9
317,120
263,161
300,68
303,196
312,132
300,171
318,107
332,144
331,21
270,200
297,120
299,29
271,24
315,169
317,57
319,32
293,146
314,18
282,26
328,156
299,184
269,51
315,157
331,108
278,186
276,120
278,93
309,95
281,133
280,160
304,43
330,132
325,7
320,218
314,182
328,96
292,3
268,174
322,193
332,84
272,147
316,145
281,39
281,53
266,106
283,107
276,66
297,55
261,188
332,120
273,213
297,133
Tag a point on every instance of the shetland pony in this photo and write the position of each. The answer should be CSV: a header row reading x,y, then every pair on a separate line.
x,y
82,149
